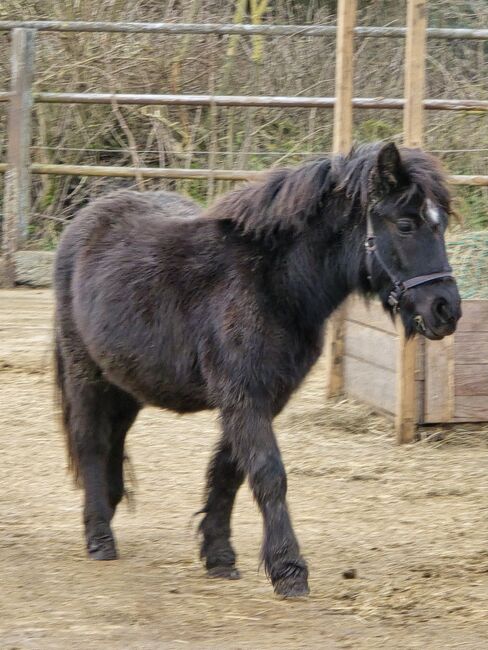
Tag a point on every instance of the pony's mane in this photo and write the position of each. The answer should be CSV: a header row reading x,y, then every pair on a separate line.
x,y
286,199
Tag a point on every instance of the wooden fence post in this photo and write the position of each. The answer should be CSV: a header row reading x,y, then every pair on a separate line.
x,y
17,177
342,140
415,50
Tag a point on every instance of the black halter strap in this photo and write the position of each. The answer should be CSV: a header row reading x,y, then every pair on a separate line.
x,y
399,286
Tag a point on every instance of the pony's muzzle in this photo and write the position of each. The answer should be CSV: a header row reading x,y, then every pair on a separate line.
x,y
437,309
444,312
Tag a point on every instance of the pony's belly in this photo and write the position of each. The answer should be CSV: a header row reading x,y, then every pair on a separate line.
x,y
179,402
187,397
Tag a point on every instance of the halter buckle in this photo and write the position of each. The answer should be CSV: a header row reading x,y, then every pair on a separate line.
x,y
393,301
396,295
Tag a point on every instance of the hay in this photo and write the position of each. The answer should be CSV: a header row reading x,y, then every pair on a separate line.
x,y
468,255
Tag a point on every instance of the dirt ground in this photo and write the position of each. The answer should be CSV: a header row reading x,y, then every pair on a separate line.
x,y
412,521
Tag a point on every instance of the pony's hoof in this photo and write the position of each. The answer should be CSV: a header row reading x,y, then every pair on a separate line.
x,y
102,549
290,579
227,572
291,588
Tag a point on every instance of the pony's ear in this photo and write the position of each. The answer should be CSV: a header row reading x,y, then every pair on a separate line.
x,y
388,173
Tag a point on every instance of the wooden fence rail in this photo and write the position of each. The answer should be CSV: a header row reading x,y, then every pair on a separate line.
x,y
182,173
270,101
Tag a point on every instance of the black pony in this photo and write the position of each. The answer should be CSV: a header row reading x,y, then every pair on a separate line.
x,y
158,303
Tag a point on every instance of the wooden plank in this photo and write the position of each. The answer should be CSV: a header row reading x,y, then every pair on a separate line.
x,y
475,316
406,416
471,348
420,382
370,313
334,350
342,140
471,408
439,381
406,411
17,176
371,345
370,384
471,380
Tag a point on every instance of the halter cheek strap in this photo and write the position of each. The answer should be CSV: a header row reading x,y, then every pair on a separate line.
x,y
399,286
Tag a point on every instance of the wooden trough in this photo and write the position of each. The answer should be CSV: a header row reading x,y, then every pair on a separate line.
x,y
451,375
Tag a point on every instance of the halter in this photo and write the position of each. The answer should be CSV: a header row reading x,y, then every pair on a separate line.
x,y
399,286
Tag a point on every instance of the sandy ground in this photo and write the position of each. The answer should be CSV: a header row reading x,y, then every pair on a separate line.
x,y
412,521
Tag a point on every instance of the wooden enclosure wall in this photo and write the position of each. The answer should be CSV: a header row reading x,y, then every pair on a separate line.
x,y
370,355
451,376
471,363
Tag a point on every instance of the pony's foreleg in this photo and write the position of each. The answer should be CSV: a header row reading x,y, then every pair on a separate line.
x,y
257,452
223,480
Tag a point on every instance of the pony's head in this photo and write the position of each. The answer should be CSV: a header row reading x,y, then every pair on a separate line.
x,y
406,206
395,203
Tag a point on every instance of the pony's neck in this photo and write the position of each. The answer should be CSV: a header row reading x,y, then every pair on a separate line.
x,y
321,270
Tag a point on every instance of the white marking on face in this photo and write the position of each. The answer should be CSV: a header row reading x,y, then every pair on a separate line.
x,y
432,212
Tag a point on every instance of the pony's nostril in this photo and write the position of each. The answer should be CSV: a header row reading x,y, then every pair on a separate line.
x,y
442,310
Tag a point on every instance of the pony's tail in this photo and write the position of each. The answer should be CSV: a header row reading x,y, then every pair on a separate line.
x,y
64,406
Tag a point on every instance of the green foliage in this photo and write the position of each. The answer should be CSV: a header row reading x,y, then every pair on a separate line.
x,y
43,234
468,255
375,129
472,205
196,190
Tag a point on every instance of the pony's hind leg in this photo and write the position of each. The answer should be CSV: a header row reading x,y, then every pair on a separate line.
x,y
223,480
123,413
96,417
89,440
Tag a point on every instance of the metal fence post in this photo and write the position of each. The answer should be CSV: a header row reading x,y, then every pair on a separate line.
x,y
17,176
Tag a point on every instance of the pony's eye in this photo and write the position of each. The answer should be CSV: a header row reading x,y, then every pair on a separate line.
x,y
405,226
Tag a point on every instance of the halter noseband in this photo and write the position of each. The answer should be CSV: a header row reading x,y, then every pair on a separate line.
x,y
399,286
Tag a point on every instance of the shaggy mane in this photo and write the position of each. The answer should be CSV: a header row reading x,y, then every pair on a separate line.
x,y
286,199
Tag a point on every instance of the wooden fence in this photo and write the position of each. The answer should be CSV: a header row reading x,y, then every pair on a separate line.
x,y
21,97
